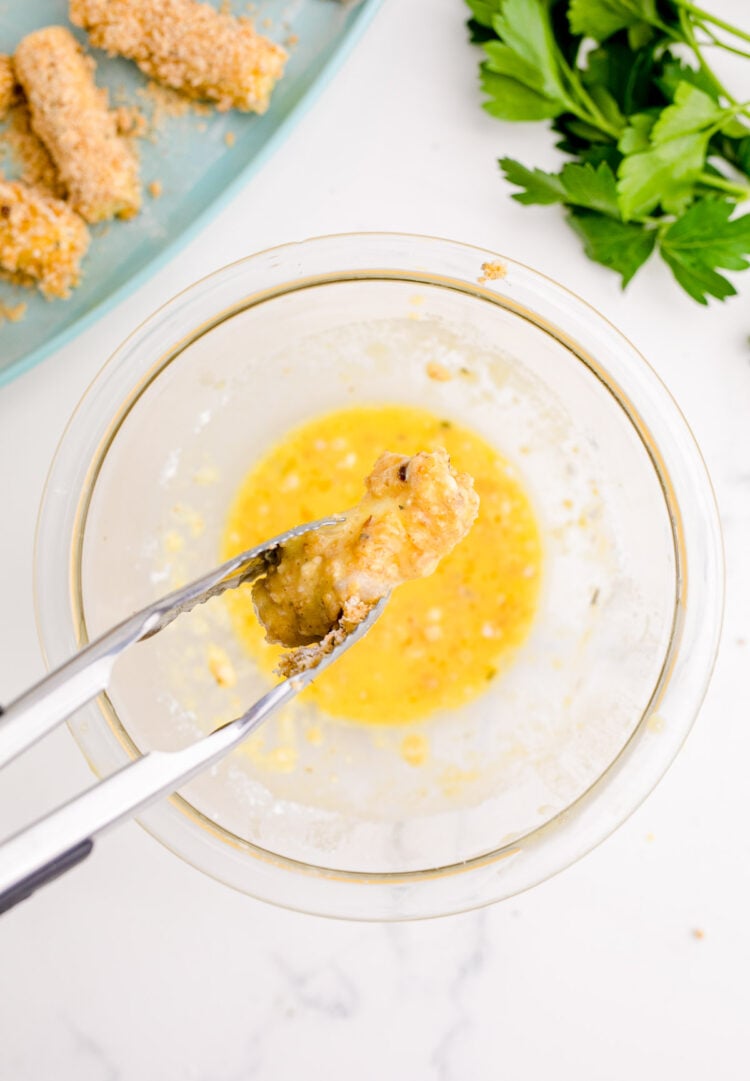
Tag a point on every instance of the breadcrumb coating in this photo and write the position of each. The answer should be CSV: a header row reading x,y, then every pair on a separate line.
x,y
8,88
69,114
42,240
36,167
190,46
414,512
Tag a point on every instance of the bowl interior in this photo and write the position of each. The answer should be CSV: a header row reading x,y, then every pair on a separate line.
x,y
544,731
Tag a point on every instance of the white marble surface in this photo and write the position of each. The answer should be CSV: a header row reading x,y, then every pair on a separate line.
x,y
138,968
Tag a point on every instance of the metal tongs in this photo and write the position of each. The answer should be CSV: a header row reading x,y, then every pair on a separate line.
x,y
60,840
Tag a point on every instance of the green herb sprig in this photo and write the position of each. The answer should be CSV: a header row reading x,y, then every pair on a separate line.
x,y
659,147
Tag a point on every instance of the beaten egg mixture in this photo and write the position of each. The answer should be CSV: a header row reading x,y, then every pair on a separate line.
x,y
440,639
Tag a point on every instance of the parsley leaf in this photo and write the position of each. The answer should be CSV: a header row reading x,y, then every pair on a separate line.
x,y
742,158
521,74
627,76
704,238
692,111
540,188
622,246
479,33
484,11
505,61
594,188
637,135
525,27
509,99
600,19
735,151
674,72
664,171
662,175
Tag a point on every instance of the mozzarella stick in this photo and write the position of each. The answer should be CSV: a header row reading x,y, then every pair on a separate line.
x,y
413,513
69,114
41,239
191,47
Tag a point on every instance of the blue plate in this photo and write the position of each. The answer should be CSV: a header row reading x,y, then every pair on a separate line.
x,y
189,157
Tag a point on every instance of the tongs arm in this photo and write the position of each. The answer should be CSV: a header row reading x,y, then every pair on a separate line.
x,y
57,696
56,843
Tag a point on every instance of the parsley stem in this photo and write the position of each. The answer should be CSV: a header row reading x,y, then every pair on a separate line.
x,y
708,180
594,115
722,44
706,16
687,29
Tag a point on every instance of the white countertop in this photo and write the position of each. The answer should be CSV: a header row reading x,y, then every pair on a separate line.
x,y
137,967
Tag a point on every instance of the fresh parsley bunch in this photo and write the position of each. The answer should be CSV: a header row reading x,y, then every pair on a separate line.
x,y
660,148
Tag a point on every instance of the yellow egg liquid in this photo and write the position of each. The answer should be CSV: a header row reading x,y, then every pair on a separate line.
x,y
440,639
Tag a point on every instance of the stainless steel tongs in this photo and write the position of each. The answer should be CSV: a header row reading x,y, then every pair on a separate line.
x,y
61,839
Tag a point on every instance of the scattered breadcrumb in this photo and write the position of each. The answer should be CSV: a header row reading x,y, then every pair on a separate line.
x,y
292,40
162,103
190,46
155,189
438,372
131,122
42,241
230,138
13,313
69,113
492,272
35,166
698,933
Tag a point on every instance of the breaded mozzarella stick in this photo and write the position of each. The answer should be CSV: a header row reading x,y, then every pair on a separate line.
x,y
69,114
191,47
41,239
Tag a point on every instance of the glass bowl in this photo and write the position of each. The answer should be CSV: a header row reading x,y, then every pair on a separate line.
x,y
564,745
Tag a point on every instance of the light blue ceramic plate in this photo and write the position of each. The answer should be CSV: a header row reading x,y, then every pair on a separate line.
x,y
190,158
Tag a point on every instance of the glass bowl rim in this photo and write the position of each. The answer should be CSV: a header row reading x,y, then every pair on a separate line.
x,y
640,394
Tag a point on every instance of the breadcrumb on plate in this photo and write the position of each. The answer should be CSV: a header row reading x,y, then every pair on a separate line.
x,y
12,313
